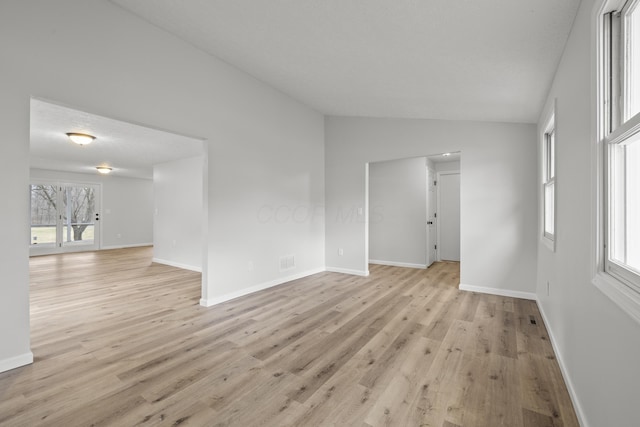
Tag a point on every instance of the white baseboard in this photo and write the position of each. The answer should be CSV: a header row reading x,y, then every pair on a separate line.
x,y
16,362
496,291
177,264
135,245
246,291
397,264
348,271
582,419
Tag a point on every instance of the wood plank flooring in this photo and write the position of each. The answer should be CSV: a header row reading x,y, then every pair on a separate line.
x,y
121,341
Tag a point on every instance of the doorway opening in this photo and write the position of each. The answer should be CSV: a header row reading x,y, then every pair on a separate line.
x,y
76,207
448,211
414,210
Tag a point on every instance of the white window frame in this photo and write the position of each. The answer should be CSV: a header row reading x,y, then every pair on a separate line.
x,y
548,172
620,284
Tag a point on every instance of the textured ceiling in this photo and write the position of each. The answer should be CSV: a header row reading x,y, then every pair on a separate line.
x,y
487,60
131,150
442,158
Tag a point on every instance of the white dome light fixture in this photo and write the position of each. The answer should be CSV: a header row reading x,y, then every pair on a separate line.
x,y
104,169
81,138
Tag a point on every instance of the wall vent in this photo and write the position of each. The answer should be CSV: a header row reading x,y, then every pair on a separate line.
x,y
287,262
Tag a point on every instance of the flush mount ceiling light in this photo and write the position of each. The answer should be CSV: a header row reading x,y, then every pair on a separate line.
x,y
446,154
81,138
104,169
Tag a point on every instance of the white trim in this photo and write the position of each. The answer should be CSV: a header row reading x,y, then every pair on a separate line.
x,y
177,264
549,123
582,419
597,155
246,291
16,361
626,299
548,243
204,231
347,271
430,177
624,131
133,245
499,292
438,209
366,215
397,264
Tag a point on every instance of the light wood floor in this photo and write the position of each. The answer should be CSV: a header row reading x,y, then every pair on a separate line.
x,y
121,341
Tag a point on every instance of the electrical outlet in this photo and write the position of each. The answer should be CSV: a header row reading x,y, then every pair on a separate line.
x,y
118,236
250,266
340,251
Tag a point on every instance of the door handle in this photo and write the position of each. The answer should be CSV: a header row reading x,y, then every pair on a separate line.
x,y
429,222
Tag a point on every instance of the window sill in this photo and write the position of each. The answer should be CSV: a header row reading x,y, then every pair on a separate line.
x,y
550,244
627,299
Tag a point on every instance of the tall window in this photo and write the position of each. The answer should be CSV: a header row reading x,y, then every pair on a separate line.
x,y
549,179
621,140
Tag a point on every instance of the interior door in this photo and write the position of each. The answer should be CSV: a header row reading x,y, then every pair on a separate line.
x,y
449,216
64,217
431,217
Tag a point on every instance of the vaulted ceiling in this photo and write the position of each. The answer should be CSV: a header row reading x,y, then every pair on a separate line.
x,y
490,60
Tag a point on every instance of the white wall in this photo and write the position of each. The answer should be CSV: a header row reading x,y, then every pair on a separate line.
x,y
263,148
446,166
597,343
178,215
126,205
397,212
448,219
498,192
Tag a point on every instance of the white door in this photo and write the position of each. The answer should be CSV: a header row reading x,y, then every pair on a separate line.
x,y
448,216
431,217
64,218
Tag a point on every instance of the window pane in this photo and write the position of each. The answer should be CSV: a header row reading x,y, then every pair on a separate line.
x,y
625,203
633,203
43,214
548,208
552,154
632,77
77,216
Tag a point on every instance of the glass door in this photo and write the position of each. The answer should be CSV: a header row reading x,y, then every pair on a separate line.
x,y
44,217
79,217
64,217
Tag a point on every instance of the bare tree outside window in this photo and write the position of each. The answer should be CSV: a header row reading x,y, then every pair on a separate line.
x,y
78,207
